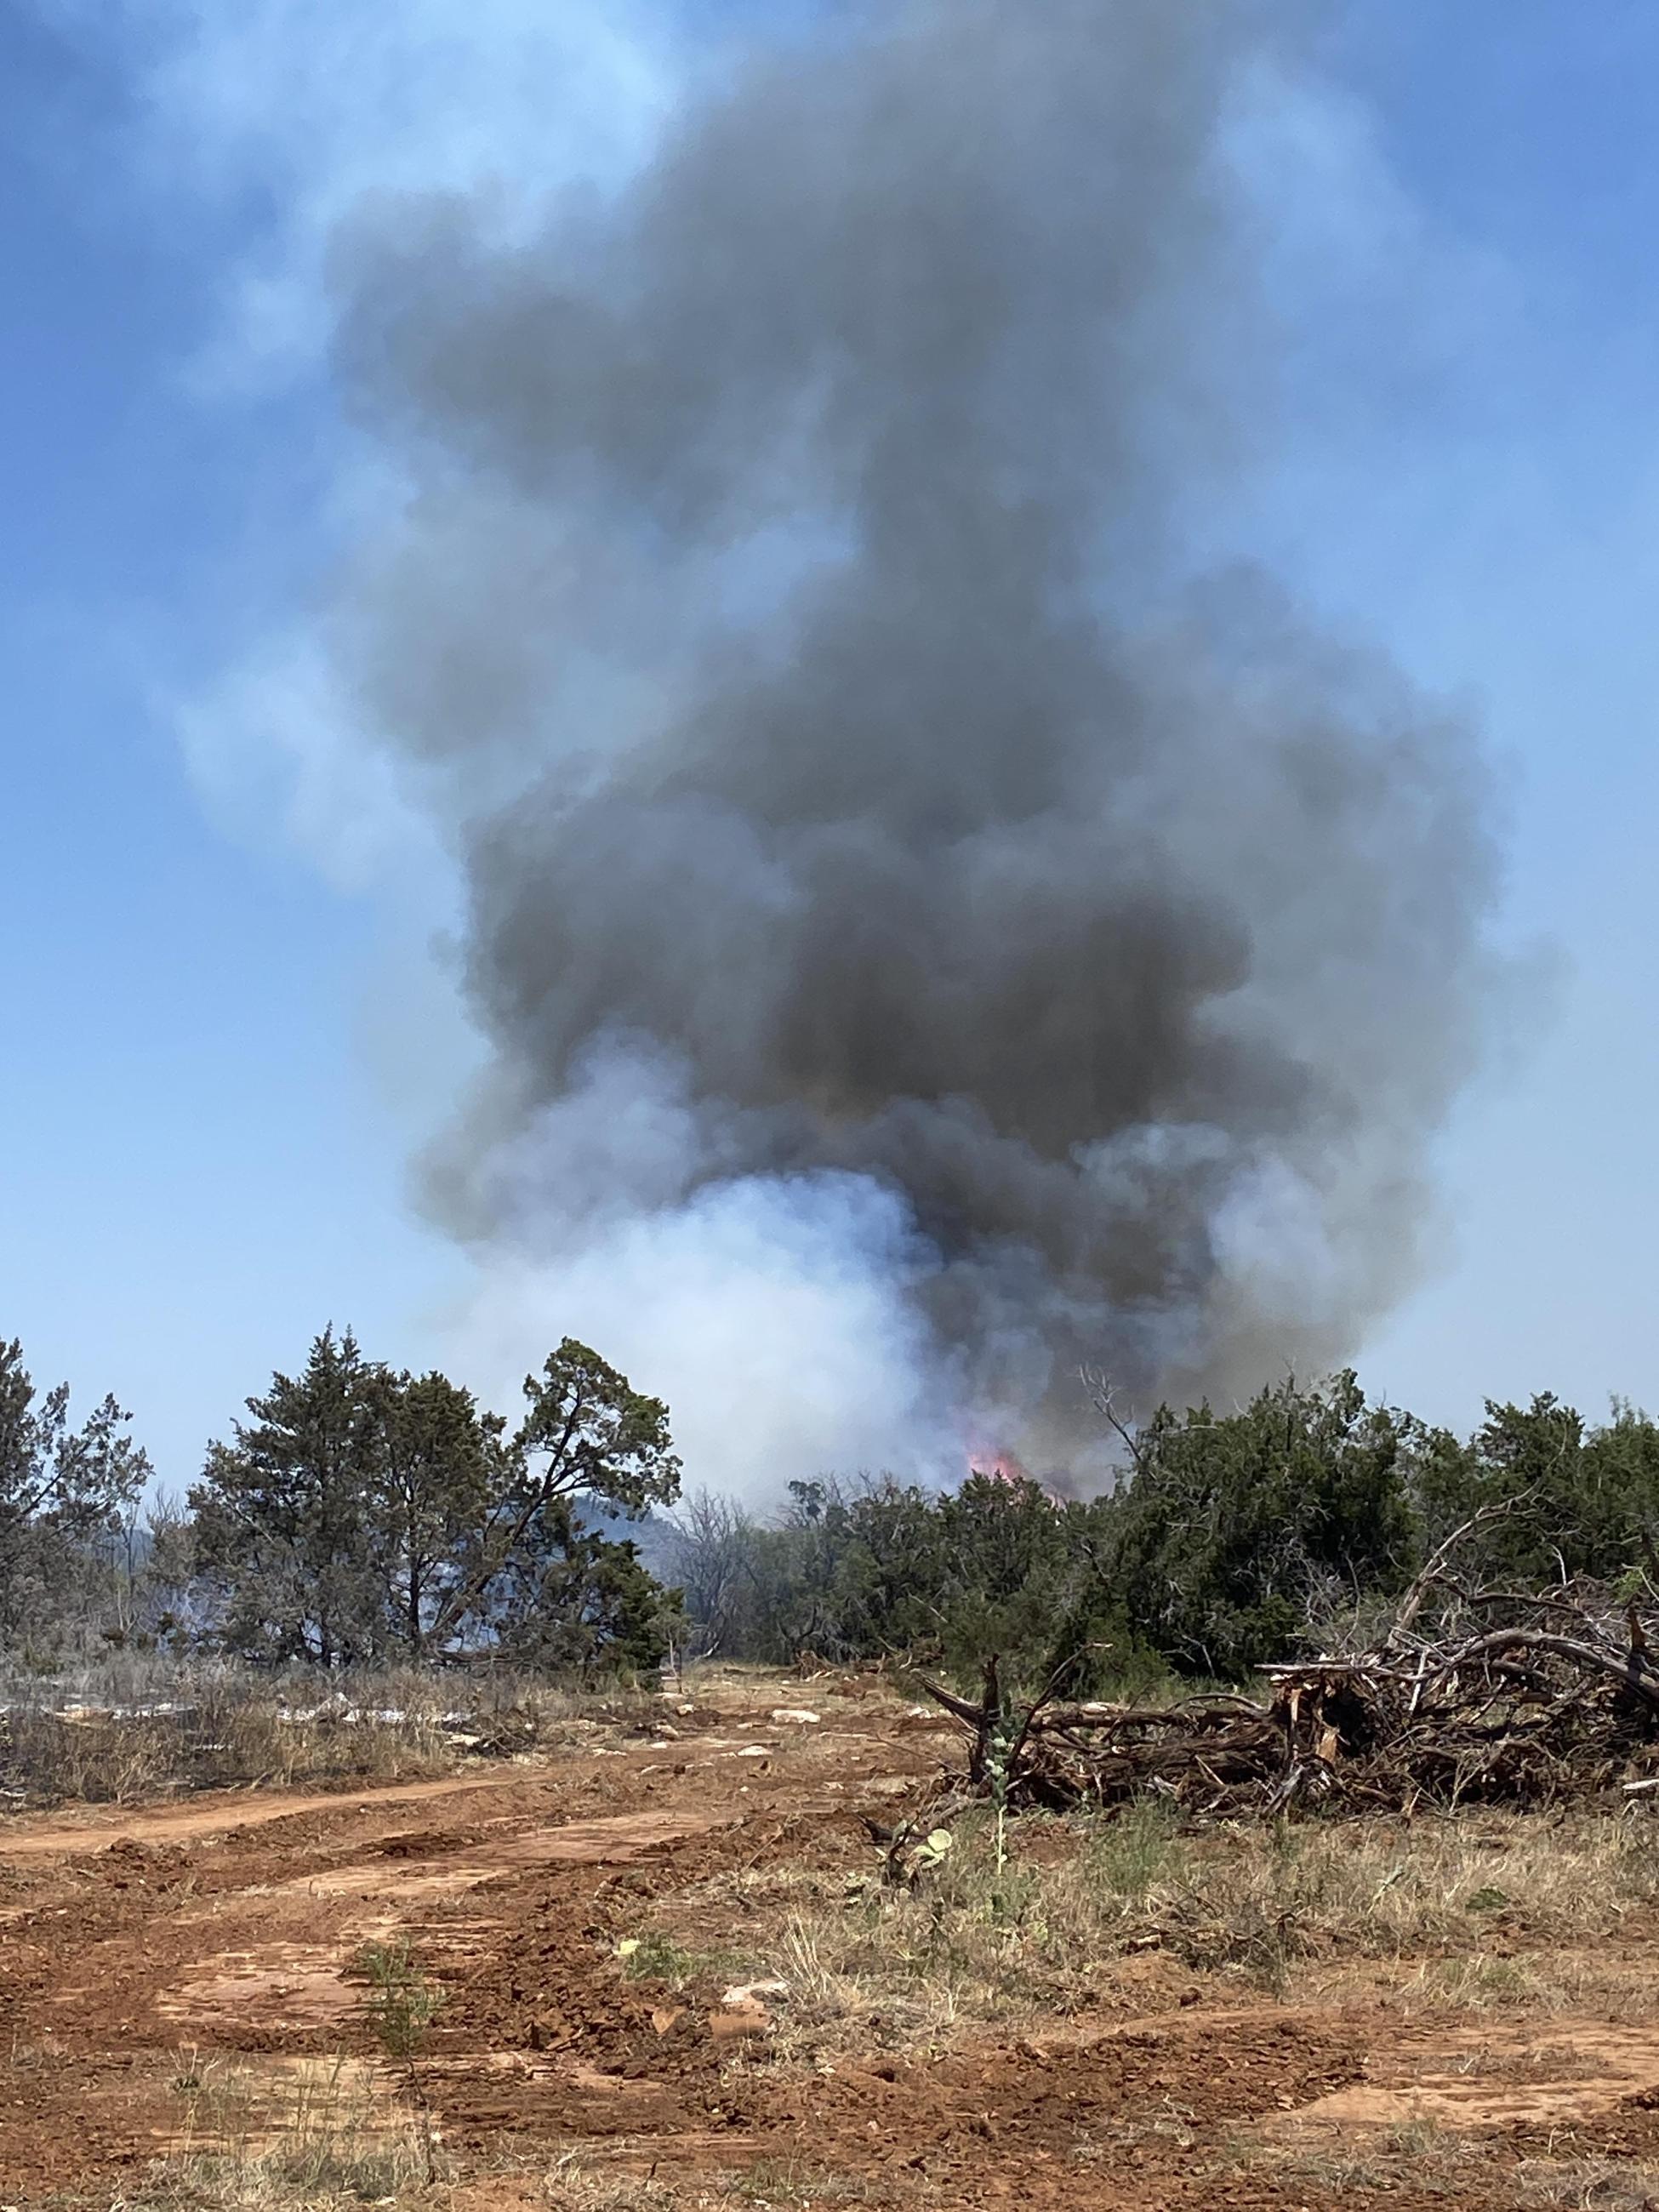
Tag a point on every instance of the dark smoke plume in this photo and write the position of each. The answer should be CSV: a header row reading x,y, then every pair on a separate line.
x,y
861,788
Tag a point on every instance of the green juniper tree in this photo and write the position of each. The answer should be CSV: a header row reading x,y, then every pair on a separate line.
x,y
283,1522
362,1514
537,1579
1579,1500
442,1464
59,1487
1234,1530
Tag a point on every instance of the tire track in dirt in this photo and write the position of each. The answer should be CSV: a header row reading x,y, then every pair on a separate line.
x,y
221,1813
293,1988
1559,2072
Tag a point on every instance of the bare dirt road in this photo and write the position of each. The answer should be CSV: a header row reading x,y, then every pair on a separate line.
x,y
141,1950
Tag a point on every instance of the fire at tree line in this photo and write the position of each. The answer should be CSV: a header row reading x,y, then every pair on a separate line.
x,y
363,1516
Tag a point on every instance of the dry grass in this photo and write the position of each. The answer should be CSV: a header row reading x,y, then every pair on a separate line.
x,y
578,2184
1436,2162
1474,1911
323,2139
1586,2185
125,1734
1431,2161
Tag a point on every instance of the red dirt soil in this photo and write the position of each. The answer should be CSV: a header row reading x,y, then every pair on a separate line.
x,y
230,1926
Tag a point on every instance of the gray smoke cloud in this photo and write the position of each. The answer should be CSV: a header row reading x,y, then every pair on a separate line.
x,y
889,851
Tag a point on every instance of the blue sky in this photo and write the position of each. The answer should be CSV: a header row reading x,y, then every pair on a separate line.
x,y
197,1170
224,1031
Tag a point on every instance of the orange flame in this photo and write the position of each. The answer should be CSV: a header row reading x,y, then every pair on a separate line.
x,y
999,1467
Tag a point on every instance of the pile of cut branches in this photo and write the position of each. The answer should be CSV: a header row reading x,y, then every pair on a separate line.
x,y
1471,1696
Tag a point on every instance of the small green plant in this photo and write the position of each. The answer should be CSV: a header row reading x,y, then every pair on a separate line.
x,y
401,2008
656,1958
402,2003
999,1744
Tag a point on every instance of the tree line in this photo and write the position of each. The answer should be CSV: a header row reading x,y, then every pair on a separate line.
x,y
1232,1538
362,1514
359,1516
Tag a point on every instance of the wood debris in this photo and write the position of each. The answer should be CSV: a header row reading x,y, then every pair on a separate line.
x,y
1470,1695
